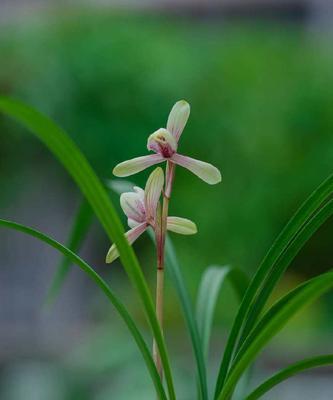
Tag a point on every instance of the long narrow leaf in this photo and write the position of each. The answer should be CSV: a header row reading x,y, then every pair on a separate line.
x,y
271,323
107,291
284,261
314,201
80,226
79,230
210,286
174,271
286,373
209,289
176,276
78,167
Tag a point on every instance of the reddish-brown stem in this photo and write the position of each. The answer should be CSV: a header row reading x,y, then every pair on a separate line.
x,y
160,234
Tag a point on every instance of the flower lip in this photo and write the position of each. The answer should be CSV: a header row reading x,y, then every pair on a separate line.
x,y
162,142
140,205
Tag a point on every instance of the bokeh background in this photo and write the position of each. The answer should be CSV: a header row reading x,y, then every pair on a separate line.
x,y
259,78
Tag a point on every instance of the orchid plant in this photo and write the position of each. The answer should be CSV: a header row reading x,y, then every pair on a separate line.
x,y
255,323
141,206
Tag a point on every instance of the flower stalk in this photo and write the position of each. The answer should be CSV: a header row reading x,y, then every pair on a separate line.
x,y
160,233
159,300
142,207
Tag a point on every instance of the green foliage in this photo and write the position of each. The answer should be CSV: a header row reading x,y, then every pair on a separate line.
x,y
177,278
300,366
303,224
261,102
209,289
271,323
77,166
80,227
251,329
73,258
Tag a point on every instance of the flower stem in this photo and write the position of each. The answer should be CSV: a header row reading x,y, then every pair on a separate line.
x,y
160,233
159,314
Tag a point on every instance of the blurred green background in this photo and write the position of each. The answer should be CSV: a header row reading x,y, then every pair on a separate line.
x,y
261,94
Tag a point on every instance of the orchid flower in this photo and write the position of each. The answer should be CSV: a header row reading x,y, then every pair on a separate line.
x,y
140,207
164,143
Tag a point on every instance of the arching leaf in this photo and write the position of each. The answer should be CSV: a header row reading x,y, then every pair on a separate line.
x,y
105,289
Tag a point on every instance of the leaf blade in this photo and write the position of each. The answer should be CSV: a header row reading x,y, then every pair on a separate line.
x,y
107,291
272,322
211,284
79,229
176,276
295,224
82,173
282,264
286,373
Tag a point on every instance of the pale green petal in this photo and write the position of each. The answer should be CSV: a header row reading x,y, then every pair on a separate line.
x,y
178,118
181,225
112,254
137,164
131,236
205,171
153,192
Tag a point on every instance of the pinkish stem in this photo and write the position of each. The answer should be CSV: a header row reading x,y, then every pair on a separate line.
x,y
160,233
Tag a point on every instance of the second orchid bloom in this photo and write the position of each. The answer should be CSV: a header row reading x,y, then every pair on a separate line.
x,y
141,209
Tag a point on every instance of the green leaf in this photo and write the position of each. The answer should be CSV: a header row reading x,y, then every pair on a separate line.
x,y
271,323
174,271
209,289
107,291
286,373
303,214
80,226
78,167
79,230
175,274
282,264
